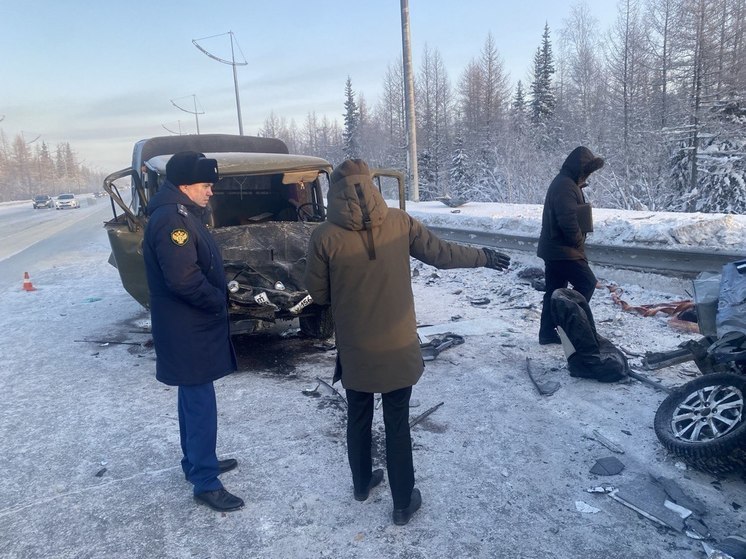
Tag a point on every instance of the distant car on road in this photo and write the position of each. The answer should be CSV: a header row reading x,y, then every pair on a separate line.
x,y
66,201
43,201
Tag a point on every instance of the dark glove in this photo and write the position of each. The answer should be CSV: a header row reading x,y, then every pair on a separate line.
x,y
496,260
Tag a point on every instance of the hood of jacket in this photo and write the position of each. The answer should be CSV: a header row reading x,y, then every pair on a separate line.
x,y
170,194
353,201
581,163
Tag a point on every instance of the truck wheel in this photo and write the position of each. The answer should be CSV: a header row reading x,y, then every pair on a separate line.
x,y
318,325
704,422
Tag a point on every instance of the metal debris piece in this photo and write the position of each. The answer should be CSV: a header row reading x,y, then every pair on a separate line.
x,y
334,390
600,489
545,388
101,472
312,391
649,382
608,466
423,415
431,349
106,342
480,302
607,443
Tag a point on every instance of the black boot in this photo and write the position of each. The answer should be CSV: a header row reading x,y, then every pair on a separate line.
x,y
402,516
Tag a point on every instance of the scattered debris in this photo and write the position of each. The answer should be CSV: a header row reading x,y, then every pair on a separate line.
x,y
642,378
609,466
545,388
334,390
663,502
312,391
600,489
580,506
607,443
101,472
107,342
432,348
479,302
423,415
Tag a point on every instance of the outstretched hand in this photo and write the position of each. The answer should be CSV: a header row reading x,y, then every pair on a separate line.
x,y
496,260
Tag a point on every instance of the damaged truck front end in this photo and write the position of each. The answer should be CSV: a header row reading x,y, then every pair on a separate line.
x,y
264,207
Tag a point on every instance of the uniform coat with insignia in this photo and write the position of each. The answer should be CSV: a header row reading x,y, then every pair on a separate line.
x,y
188,302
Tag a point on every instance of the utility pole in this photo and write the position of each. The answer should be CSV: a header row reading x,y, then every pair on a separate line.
x,y
412,170
233,63
194,112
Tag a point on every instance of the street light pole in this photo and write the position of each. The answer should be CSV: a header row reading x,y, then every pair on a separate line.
x,y
233,63
195,112
409,103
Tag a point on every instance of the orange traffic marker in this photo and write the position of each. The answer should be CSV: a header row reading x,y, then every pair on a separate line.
x,y
27,285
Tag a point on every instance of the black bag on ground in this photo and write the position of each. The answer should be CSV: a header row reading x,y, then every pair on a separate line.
x,y
588,354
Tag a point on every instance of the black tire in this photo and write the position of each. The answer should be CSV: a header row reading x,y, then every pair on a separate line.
x,y
318,323
704,422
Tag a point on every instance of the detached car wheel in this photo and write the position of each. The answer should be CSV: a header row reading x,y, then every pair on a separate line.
x,y
319,324
704,422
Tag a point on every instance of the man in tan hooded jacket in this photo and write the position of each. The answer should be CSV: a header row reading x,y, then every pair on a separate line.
x,y
358,262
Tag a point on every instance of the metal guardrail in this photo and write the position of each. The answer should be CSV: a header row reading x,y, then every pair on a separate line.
x,y
686,263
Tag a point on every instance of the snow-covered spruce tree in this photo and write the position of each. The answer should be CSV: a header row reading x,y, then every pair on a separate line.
x,y
427,183
542,96
351,134
459,172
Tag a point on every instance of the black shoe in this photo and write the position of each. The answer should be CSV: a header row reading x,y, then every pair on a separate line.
x,y
227,465
550,339
375,478
219,500
402,516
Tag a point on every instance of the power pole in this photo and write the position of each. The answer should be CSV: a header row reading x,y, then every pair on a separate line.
x,y
233,63
412,170
195,113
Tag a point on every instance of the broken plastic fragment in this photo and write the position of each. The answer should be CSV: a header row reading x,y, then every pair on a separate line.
x,y
580,506
608,466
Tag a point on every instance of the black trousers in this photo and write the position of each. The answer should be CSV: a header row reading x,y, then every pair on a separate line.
x,y
399,464
558,274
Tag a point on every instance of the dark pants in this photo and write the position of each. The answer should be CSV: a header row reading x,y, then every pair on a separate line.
x,y
558,274
198,427
398,442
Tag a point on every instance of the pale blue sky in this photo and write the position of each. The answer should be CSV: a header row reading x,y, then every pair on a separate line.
x,y
101,75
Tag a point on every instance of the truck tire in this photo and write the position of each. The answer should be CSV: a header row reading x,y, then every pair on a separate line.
x,y
318,324
703,422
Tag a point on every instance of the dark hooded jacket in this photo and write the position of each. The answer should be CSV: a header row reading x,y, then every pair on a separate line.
x,y
188,302
361,267
561,235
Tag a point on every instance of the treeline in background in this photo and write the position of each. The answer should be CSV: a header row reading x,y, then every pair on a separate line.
x,y
31,167
660,95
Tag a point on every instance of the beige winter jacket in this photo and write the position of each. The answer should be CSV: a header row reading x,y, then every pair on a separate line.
x,y
365,275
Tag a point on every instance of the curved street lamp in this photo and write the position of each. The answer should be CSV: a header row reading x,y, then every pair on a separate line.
x,y
233,63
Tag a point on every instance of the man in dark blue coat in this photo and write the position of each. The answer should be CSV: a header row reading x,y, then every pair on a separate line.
x,y
189,313
564,223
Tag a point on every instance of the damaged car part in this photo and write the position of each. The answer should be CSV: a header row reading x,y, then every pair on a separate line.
x,y
704,422
265,205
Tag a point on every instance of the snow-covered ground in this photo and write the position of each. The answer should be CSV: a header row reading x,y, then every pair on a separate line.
x,y
89,439
611,227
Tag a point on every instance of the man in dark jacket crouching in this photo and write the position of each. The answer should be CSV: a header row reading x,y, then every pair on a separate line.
x,y
565,221
189,313
359,263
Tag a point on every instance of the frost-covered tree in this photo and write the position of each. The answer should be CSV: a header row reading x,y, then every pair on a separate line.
x,y
460,173
542,94
351,135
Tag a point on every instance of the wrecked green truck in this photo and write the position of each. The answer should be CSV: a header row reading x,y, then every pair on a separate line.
x,y
264,207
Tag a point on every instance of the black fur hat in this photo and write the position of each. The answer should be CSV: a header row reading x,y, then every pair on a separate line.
x,y
191,167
